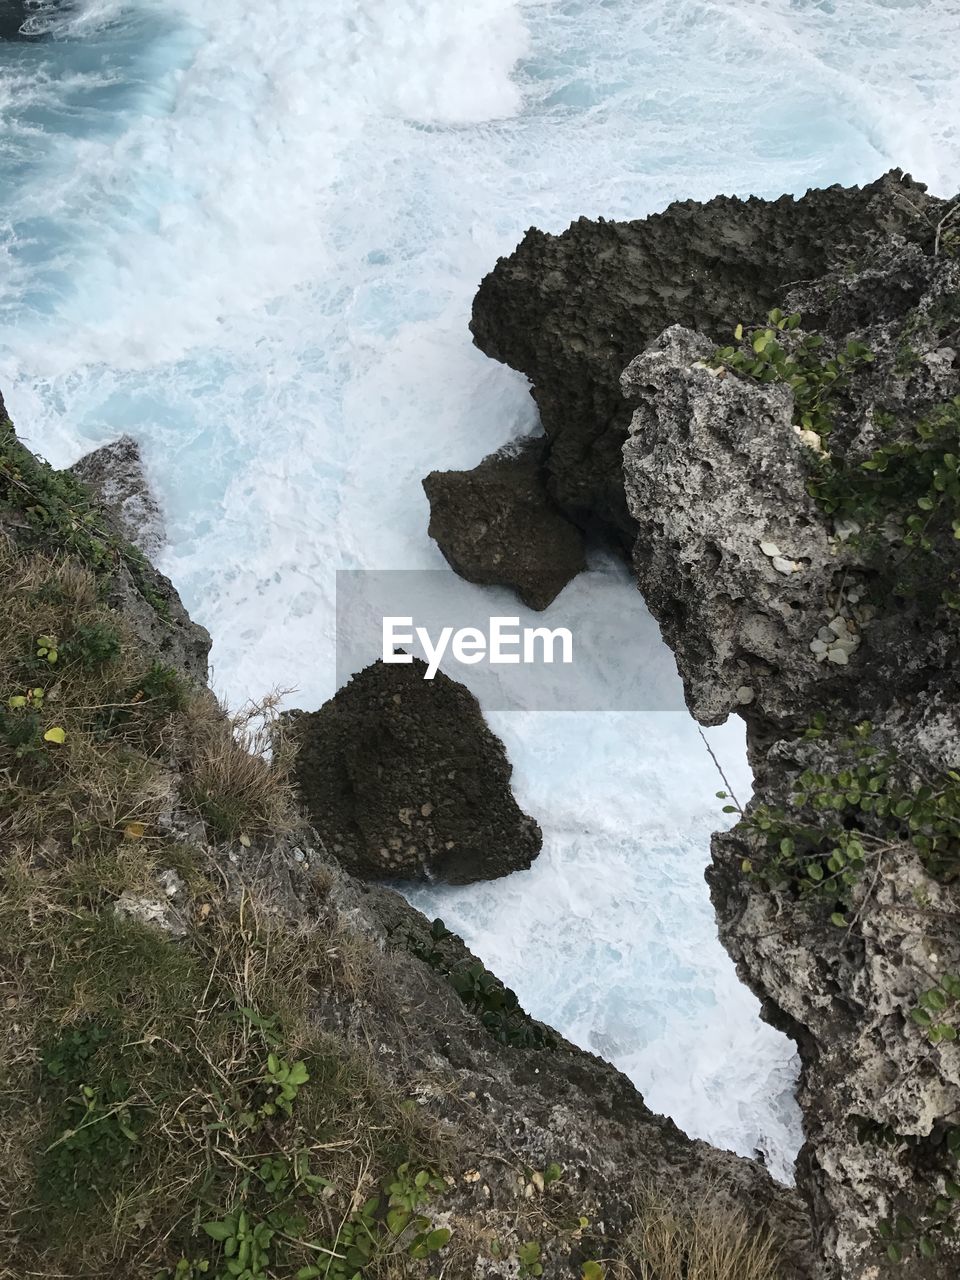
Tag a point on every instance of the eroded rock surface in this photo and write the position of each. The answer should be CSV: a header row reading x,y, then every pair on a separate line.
x,y
404,780
74,517
570,311
496,525
835,639
116,475
538,1141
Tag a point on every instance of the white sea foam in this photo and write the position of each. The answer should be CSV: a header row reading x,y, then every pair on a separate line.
x,y
250,234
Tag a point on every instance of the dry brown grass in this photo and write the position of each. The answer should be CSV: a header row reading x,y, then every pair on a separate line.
x,y
679,1235
173,1038
240,765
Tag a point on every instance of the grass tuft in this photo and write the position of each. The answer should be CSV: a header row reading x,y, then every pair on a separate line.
x,y
680,1235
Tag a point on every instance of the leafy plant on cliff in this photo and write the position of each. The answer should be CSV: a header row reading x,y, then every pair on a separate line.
x,y
60,514
938,1157
767,355
937,1009
483,993
906,495
840,826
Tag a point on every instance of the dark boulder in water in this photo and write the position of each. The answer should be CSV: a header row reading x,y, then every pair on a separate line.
x,y
403,779
496,525
571,311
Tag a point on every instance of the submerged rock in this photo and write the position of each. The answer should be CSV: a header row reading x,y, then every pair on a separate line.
x,y
845,670
116,475
12,15
404,780
497,526
17,18
571,311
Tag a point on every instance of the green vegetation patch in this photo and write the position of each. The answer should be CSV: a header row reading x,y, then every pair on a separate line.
x,y
58,513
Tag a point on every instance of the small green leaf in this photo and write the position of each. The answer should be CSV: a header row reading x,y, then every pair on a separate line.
x,y
219,1230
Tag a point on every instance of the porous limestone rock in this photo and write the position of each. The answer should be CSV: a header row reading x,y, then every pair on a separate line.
x,y
716,477
404,780
570,311
497,526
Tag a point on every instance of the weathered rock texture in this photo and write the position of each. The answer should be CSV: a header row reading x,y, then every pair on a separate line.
x,y
781,612
61,509
570,311
383,986
496,525
115,473
403,779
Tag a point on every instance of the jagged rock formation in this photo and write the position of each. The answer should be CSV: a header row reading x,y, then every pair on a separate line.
x,y
811,616
496,525
532,1105
570,311
404,780
39,510
389,1013
116,475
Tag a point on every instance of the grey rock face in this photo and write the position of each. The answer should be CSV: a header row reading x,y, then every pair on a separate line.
x,y
115,476
115,473
404,780
780,612
735,573
497,526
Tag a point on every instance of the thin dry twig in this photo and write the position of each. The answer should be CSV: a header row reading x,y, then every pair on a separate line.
x,y
719,769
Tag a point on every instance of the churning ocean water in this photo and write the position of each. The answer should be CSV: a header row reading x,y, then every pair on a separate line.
x,y
249,234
